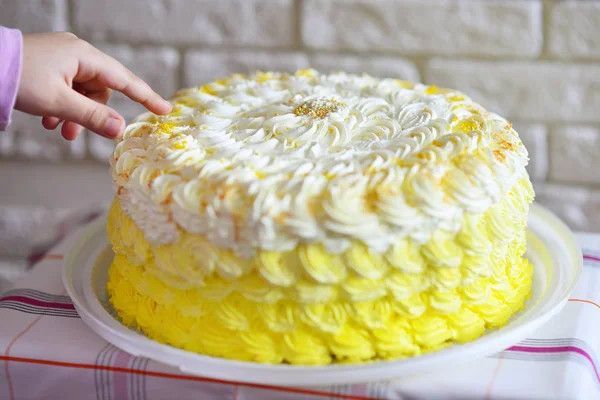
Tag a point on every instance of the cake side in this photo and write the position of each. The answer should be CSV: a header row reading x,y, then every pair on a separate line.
x,y
406,311
308,274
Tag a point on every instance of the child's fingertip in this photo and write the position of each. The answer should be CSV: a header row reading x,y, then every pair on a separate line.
x,y
113,128
166,105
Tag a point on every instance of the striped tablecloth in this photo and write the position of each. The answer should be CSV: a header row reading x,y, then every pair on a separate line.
x,y
47,352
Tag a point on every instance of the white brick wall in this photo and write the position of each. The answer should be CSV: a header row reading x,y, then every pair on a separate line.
x,y
575,154
494,28
535,61
34,16
30,141
203,66
535,138
575,29
574,205
233,22
542,90
389,66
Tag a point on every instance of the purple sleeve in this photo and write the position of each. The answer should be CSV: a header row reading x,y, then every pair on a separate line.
x,y
11,45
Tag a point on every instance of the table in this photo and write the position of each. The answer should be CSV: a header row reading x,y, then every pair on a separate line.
x,y
47,352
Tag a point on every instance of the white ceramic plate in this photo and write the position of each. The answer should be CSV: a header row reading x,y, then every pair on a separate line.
x,y
551,247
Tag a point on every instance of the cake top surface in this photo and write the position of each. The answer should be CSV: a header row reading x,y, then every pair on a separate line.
x,y
271,160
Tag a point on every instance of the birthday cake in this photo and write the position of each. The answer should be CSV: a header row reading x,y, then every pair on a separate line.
x,y
316,219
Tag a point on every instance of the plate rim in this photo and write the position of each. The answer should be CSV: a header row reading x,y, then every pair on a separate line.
x,y
384,368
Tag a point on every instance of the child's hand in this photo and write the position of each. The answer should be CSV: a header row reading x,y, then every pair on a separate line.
x,y
66,79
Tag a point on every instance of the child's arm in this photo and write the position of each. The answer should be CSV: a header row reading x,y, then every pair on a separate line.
x,y
64,78
10,67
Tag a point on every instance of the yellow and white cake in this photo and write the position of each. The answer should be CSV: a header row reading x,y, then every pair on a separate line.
x,y
317,219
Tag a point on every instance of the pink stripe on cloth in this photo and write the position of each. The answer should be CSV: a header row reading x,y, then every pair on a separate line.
x,y
11,391
558,349
591,258
39,303
120,379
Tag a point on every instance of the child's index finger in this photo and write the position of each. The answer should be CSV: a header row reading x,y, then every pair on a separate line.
x,y
114,75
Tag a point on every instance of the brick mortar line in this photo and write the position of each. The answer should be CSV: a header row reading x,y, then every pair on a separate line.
x,y
556,124
91,162
420,63
571,185
297,28
180,77
549,60
70,17
400,53
190,47
174,44
547,6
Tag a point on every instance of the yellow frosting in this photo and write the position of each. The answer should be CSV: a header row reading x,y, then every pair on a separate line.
x,y
306,306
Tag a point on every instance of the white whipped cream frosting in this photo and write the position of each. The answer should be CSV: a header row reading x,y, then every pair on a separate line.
x,y
273,160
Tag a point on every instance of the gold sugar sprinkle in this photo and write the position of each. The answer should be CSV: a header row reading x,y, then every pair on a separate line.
x,y
282,217
318,108
500,156
164,128
506,145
